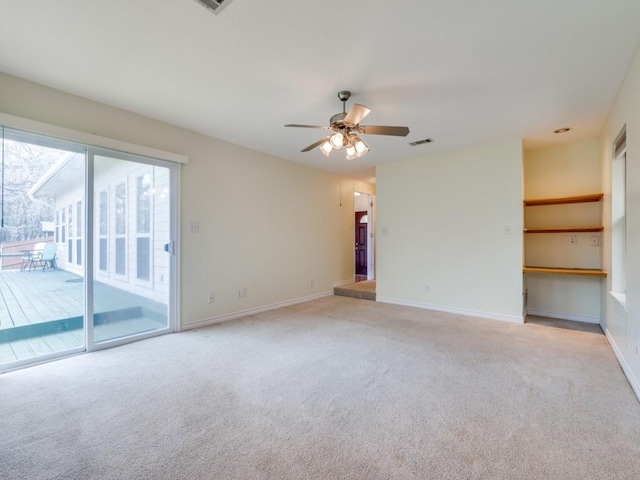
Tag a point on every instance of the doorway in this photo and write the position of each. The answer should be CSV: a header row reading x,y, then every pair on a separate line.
x,y
363,237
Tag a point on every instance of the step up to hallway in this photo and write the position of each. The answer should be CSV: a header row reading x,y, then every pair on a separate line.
x,y
363,290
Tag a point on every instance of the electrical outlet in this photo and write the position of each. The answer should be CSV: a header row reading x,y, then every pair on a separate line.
x,y
573,240
239,293
595,241
311,284
427,288
212,297
245,292
508,229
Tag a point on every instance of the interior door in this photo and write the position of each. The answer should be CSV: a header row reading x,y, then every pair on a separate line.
x,y
361,219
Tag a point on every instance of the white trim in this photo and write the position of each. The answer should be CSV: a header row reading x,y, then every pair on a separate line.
x,y
175,270
564,316
127,339
620,298
89,139
252,311
456,311
41,359
633,381
344,282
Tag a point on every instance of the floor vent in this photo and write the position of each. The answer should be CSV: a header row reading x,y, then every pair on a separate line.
x,y
214,5
420,142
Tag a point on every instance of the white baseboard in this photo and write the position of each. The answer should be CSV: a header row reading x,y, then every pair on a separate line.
x,y
564,316
633,381
252,311
456,311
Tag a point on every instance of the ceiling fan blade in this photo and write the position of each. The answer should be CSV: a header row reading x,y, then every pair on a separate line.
x,y
356,114
384,130
307,126
316,144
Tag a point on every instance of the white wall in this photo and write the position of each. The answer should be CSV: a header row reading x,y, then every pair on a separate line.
x,y
563,171
361,203
441,221
622,322
266,224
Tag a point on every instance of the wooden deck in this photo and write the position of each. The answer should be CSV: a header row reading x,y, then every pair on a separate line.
x,y
41,312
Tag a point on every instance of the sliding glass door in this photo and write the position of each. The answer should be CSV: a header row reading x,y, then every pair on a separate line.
x,y
131,247
41,304
86,244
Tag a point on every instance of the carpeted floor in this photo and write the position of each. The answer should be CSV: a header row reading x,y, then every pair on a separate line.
x,y
337,388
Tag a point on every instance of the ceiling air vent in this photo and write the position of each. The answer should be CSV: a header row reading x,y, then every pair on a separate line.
x,y
420,142
215,5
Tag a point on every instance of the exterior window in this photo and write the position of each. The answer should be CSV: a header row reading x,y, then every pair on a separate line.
x,y
79,233
103,230
70,230
63,227
143,211
143,226
143,254
121,267
121,228
104,209
121,209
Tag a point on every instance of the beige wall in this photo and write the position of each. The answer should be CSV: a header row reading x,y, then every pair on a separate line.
x,y
266,224
441,222
622,321
563,171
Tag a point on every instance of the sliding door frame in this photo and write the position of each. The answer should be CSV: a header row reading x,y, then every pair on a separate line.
x,y
172,306
92,145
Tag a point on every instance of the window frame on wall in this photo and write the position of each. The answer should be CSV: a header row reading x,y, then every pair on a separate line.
x,y
619,217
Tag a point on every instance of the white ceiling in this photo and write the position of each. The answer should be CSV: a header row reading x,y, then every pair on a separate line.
x,y
462,72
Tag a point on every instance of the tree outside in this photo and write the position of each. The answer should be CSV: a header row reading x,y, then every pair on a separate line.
x,y
23,165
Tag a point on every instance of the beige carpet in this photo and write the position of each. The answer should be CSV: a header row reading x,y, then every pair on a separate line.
x,y
336,388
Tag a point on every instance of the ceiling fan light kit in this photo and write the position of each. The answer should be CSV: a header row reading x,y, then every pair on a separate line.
x,y
346,126
337,141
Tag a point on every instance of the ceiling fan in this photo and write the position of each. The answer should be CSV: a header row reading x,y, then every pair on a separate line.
x,y
346,127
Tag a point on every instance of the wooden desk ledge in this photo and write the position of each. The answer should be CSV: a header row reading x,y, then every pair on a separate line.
x,y
591,272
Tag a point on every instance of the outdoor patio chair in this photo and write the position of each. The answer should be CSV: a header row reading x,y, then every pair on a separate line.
x,y
48,256
31,258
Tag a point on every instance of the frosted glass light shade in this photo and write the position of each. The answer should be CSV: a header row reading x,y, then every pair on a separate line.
x,y
326,148
337,141
361,147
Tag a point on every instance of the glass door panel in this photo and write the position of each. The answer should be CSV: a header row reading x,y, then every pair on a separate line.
x,y
41,292
131,269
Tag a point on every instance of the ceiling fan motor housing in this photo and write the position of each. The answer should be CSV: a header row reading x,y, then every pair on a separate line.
x,y
337,119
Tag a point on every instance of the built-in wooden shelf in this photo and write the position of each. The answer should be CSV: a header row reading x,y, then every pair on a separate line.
x,y
594,197
566,271
594,228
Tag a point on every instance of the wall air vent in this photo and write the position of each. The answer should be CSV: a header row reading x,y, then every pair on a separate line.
x,y
420,142
214,5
